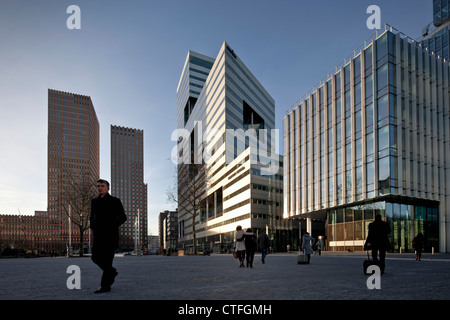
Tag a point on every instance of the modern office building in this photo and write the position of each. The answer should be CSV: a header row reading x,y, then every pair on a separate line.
x,y
441,12
168,230
73,157
127,183
373,137
437,36
225,118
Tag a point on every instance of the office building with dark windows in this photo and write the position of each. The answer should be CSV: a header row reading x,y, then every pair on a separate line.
x,y
373,137
127,183
225,118
73,162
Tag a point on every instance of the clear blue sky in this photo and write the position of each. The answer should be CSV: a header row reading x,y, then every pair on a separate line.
x,y
128,57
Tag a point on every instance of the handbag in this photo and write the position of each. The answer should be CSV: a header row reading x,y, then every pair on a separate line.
x,y
235,254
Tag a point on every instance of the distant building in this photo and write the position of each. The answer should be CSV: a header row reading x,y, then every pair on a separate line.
x,y
168,229
153,244
37,234
127,183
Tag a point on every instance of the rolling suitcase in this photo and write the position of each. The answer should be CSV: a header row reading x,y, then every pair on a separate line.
x,y
367,263
302,258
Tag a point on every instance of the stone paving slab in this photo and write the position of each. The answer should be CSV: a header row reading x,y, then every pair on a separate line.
x,y
332,276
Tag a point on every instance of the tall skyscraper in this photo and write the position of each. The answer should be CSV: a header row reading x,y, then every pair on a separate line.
x,y
223,116
127,183
73,155
373,138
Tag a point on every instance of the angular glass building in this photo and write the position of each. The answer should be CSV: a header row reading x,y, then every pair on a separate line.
x,y
220,105
373,137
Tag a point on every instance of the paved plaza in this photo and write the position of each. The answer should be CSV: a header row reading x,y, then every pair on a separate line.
x,y
332,276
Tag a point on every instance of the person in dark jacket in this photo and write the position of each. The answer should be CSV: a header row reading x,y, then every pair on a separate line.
x,y
418,245
250,246
107,215
263,241
378,241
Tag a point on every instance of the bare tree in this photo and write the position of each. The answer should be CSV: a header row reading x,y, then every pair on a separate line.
x,y
75,200
187,192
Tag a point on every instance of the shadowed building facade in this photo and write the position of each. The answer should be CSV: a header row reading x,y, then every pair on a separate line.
x,y
127,183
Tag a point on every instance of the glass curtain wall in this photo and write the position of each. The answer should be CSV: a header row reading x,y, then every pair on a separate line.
x,y
348,227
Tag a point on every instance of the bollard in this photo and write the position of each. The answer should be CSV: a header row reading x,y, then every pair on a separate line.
x,y
432,250
400,250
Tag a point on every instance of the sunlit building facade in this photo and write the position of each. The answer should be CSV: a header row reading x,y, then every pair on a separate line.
x,y
373,137
218,100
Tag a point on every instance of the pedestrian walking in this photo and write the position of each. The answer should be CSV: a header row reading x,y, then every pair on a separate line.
x,y
239,245
378,241
250,246
306,245
263,241
418,245
318,247
107,215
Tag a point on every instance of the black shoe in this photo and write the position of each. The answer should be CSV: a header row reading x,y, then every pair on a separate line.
x,y
103,289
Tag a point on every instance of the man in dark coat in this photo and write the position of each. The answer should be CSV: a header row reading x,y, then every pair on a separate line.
x,y
107,214
378,241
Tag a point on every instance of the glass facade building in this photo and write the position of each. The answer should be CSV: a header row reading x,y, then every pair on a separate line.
x,y
373,137
438,40
217,100
441,11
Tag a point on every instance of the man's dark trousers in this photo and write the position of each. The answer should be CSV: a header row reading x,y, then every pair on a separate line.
x,y
103,257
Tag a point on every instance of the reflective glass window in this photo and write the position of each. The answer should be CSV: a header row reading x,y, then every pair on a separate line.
x,y
382,76
383,138
383,107
382,47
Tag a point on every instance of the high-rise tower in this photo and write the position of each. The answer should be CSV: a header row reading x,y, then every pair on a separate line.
x,y
73,155
127,183
226,119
